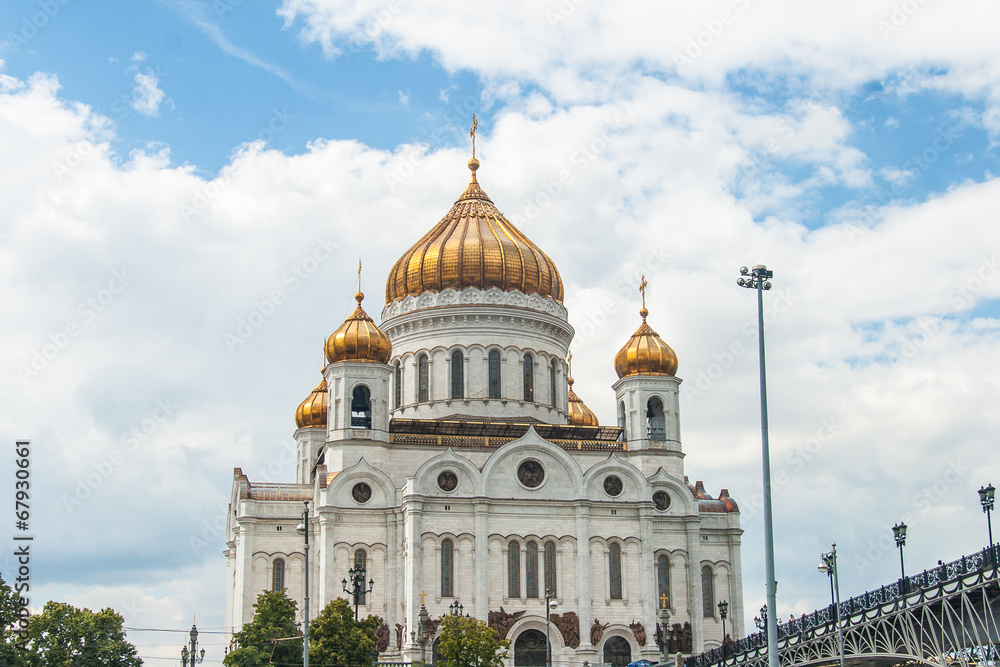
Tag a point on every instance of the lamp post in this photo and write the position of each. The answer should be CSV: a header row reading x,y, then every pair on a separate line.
x,y
761,621
358,589
456,608
664,630
758,278
829,567
190,658
303,529
723,613
986,498
420,635
550,602
899,532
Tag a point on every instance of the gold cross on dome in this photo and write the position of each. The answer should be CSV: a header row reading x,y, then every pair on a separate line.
x,y
663,600
642,289
359,274
569,360
472,133
422,596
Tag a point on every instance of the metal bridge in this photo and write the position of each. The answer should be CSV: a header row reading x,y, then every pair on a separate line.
x,y
943,616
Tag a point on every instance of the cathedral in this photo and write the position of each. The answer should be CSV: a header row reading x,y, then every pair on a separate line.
x,y
445,454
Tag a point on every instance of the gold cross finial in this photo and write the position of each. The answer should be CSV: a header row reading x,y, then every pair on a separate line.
x,y
642,290
472,133
422,596
663,600
359,274
569,360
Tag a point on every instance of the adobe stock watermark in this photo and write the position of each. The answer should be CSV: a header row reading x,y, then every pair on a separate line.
x,y
32,24
898,17
211,531
712,30
922,501
210,190
130,440
723,360
293,278
87,311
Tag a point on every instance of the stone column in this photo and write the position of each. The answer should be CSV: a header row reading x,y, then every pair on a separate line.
x,y
694,585
735,615
584,585
481,569
391,582
414,563
647,581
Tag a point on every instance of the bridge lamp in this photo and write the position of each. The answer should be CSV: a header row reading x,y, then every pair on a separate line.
x,y
986,498
899,533
828,566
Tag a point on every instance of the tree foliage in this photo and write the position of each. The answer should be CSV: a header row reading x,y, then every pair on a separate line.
x,y
335,638
273,618
10,654
469,642
64,635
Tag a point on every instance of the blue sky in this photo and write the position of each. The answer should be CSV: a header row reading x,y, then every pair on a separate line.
x,y
173,162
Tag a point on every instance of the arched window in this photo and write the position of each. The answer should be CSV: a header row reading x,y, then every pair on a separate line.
x,y
707,592
615,571
617,652
397,398
494,374
655,424
530,649
361,407
278,575
622,423
662,582
457,375
529,378
447,569
552,383
514,570
550,568
360,565
531,570
422,393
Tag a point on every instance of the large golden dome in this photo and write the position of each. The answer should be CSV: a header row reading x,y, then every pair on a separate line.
x,y
645,353
474,246
312,411
358,339
579,413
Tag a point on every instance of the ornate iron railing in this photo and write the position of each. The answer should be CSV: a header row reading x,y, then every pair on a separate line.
x,y
913,590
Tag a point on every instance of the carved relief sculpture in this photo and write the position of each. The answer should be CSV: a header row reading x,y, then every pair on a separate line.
x,y
639,632
399,637
569,627
501,621
381,637
596,631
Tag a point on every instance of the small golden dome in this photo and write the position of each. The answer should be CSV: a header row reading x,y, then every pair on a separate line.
x,y
579,414
645,353
358,339
474,246
312,411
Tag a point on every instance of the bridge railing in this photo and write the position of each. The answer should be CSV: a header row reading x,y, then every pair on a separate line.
x,y
822,620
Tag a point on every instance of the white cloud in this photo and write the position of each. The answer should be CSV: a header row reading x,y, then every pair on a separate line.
x,y
146,94
404,98
138,57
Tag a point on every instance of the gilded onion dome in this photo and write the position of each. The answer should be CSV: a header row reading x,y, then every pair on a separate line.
x,y
645,353
358,339
312,411
474,245
579,413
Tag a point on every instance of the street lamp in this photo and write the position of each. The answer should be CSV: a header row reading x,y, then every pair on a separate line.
x,y
723,612
986,498
758,278
663,631
456,608
550,603
421,635
761,621
358,589
303,529
899,532
829,568
190,658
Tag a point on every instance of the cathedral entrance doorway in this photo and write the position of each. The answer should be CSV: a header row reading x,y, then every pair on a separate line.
x,y
529,649
617,652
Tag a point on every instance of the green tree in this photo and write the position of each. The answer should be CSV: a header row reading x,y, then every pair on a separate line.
x,y
273,618
10,654
64,635
469,642
335,638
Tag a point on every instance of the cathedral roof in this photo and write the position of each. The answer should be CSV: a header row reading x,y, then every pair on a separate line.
x,y
358,339
645,353
474,245
312,411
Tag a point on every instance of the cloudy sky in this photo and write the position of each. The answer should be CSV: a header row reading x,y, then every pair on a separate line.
x,y
170,168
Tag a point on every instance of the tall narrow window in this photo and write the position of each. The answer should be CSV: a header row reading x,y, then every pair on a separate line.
x,y
707,592
662,582
422,393
397,398
529,378
615,571
656,425
494,379
550,568
552,383
622,421
278,575
531,569
361,407
514,570
457,376
360,563
447,569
